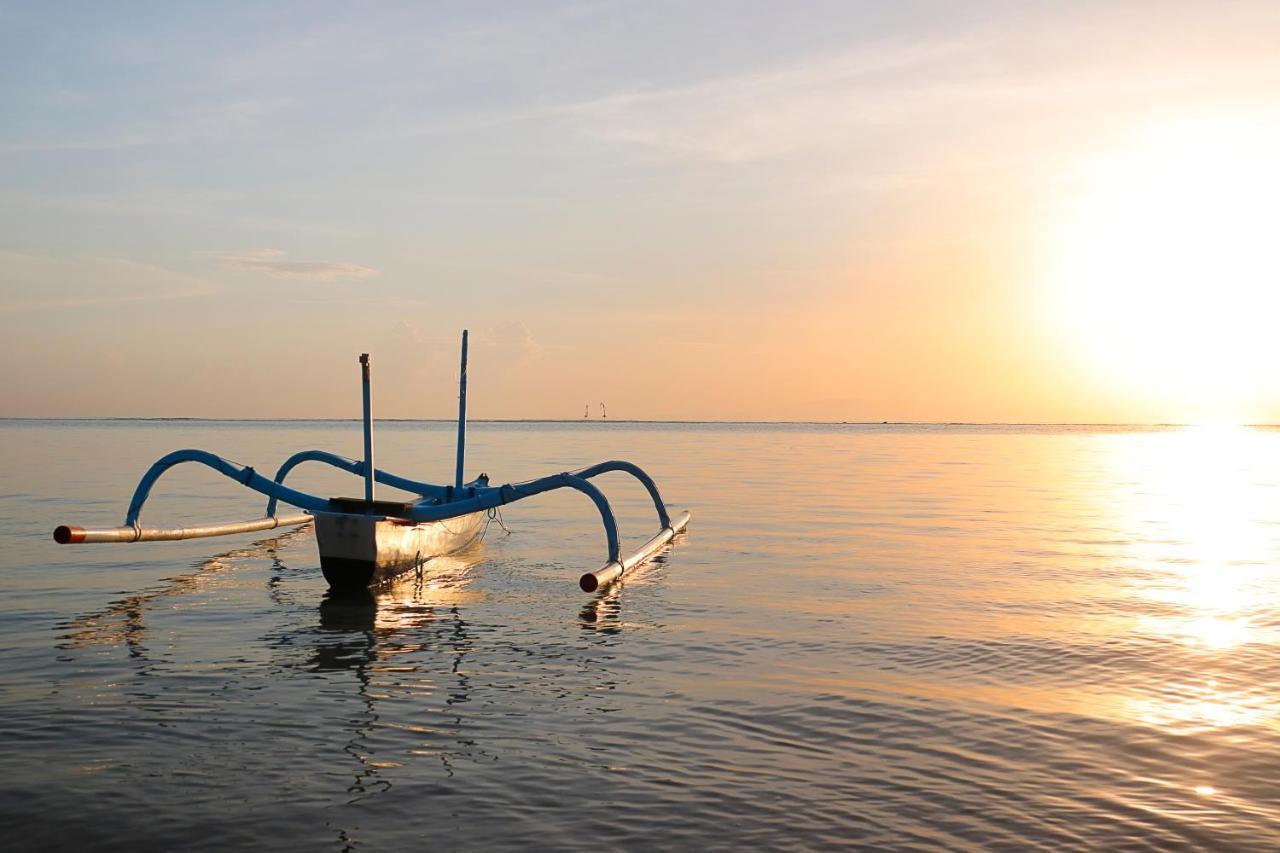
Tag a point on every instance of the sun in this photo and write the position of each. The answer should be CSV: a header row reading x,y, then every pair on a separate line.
x,y
1163,268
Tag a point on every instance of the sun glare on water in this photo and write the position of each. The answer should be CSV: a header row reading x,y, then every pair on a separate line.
x,y
1164,272
1199,548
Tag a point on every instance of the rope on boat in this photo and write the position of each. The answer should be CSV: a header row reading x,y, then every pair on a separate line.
x,y
495,514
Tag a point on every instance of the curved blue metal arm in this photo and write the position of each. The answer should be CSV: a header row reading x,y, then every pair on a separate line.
x,y
242,474
636,471
530,488
426,490
436,504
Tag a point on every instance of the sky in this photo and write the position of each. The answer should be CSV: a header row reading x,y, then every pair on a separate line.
x,y
1018,212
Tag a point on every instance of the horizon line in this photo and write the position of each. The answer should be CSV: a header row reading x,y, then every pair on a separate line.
x,y
166,418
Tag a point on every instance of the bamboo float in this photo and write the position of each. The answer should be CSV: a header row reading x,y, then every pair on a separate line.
x,y
613,570
67,534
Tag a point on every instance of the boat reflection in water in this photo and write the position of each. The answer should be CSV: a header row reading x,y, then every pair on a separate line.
x,y
405,639
124,621
603,613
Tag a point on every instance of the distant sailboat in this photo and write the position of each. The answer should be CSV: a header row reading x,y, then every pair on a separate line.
x,y
586,410
604,413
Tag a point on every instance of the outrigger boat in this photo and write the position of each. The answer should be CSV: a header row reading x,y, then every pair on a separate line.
x,y
365,541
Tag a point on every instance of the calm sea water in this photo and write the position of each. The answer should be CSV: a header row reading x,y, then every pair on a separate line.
x,y
903,637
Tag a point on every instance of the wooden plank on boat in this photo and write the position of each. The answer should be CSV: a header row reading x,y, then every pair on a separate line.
x,y
360,506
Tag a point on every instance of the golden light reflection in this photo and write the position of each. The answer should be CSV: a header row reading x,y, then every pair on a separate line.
x,y
1199,539
123,620
1199,706
445,581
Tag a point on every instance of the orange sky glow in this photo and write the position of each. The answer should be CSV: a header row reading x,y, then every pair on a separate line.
x,y
1005,214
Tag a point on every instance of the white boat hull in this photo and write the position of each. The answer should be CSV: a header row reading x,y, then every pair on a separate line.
x,y
357,551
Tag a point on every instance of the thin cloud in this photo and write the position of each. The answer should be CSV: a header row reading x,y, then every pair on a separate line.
x,y
763,114
217,123
513,340
272,262
905,91
42,283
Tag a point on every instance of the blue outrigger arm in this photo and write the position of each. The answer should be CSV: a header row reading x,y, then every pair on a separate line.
x,y
435,503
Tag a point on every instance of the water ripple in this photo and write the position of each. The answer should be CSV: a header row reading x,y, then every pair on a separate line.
x,y
891,638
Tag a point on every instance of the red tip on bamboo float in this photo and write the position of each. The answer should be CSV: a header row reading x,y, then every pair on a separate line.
x,y
65,535
592,581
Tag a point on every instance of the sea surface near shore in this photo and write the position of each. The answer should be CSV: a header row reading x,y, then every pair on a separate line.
x,y
903,636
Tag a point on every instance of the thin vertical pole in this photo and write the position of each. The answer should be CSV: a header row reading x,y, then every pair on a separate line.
x,y
462,413
368,428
